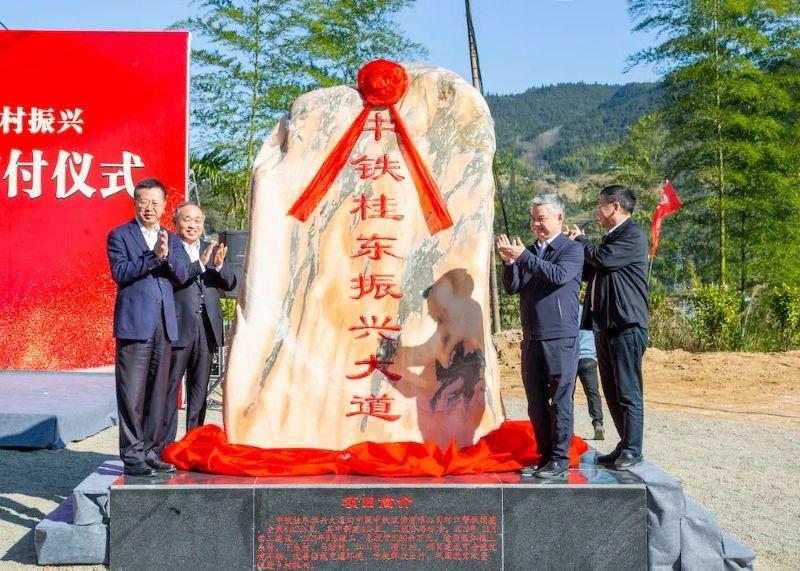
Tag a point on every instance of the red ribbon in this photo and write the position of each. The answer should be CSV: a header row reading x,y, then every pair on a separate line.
x,y
381,83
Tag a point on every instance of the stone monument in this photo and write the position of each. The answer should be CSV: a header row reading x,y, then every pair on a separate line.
x,y
364,309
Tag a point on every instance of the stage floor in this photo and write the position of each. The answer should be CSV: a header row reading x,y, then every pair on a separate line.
x,y
48,409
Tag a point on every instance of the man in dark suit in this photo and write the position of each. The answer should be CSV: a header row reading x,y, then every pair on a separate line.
x,y
145,261
199,313
616,306
547,275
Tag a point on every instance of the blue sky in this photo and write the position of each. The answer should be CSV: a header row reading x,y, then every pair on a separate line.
x,y
522,43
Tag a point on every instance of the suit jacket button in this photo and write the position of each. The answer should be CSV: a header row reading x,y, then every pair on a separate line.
x,y
158,301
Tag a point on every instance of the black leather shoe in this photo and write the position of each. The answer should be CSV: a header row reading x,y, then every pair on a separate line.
x,y
628,460
608,459
139,469
159,466
552,471
531,470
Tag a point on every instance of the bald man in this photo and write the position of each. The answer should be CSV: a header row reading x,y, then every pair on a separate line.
x,y
199,313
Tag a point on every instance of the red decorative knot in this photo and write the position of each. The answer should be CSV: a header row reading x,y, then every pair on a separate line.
x,y
382,82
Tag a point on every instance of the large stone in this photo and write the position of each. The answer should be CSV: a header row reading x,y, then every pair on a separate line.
x,y
286,379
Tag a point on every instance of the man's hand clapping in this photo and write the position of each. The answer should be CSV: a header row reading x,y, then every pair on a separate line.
x,y
219,257
509,250
574,232
162,245
205,257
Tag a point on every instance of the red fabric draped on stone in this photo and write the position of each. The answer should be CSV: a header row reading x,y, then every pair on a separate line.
x,y
381,83
508,448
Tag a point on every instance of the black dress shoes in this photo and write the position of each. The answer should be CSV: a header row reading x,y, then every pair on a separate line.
x,y
159,466
531,470
608,459
139,469
628,460
552,471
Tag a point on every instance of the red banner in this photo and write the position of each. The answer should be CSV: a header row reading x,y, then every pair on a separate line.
x,y
668,204
83,116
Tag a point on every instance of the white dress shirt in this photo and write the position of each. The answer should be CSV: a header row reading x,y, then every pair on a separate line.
x,y
150,236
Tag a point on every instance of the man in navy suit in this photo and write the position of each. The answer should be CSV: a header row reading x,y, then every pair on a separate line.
x,y
547,275
146,261
197,303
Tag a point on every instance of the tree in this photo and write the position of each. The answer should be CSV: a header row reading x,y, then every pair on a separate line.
x,y
729,99
257,56
639,160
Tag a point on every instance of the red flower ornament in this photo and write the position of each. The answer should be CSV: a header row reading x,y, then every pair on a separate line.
x,y
381,83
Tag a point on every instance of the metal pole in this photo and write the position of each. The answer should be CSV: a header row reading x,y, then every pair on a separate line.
x,y
478,84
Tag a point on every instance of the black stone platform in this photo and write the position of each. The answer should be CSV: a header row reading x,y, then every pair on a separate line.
x,y
597,519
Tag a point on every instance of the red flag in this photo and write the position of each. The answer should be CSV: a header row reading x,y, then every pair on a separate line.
x,y
668,204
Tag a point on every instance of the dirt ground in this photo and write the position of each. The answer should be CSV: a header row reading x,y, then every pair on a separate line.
x,y
760,387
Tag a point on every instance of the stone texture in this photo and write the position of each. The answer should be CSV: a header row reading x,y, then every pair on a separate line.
x,y
574,527
291,350
178,528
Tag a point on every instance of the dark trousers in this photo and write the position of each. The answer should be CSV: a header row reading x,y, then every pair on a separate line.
x,y
548,374
195,360
142,377
619,357
587,373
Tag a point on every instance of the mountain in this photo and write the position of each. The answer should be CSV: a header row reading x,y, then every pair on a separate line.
x,y
564,128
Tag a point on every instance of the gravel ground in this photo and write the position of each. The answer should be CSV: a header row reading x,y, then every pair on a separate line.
x,y
744,473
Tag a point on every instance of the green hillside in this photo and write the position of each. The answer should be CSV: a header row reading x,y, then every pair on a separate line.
x,y
563,128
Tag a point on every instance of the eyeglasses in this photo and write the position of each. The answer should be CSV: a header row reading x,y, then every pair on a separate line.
x,y
146,203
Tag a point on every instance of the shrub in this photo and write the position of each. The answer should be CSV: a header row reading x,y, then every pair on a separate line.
x,y
715,318
228,309
784,305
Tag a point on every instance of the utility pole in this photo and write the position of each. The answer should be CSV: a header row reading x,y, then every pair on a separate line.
x,y
475,66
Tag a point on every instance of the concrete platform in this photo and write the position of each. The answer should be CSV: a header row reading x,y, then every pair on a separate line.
x,y
596,519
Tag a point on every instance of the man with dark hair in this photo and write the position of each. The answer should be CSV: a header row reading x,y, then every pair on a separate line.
x,y
616,306
199,314
547,275
145,263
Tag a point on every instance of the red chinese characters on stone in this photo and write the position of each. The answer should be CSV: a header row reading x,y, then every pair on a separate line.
x,y
382,207
368,502
379,125
374,169
380,535
350,502
372,365
377,406
366,327
380,285
403,502
375,247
